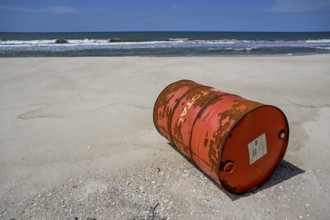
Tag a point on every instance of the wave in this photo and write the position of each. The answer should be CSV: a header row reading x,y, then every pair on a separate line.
x,y
118,40
269,50
178,39
322,48
50,42
229,49
66,42
27,42
318,41
174,41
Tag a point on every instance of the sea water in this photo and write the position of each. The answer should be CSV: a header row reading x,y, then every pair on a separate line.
x,y
163,44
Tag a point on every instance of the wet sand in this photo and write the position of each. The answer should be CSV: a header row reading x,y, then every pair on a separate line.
x,y
77,139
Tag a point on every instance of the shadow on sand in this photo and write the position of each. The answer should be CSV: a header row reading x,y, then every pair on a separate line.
x,y
283,172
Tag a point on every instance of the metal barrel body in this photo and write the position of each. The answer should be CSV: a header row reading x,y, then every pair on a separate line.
x,y
235,141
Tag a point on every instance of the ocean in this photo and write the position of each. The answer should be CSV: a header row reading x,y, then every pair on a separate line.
x,y
163,44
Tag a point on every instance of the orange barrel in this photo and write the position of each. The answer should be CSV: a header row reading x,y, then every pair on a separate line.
x,y
237,142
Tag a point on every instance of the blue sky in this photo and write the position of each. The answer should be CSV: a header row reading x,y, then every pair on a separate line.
x,y
170,15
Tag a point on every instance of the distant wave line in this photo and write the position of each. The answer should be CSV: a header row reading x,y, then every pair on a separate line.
x,y
175,40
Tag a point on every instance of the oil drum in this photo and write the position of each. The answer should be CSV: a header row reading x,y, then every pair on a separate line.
x,y
235,141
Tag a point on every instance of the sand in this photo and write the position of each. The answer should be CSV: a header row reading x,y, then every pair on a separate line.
x,y
77,140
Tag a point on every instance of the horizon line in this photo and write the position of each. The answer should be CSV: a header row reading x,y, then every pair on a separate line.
x,y
164,31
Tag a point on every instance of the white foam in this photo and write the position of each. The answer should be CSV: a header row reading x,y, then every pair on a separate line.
x,y
318,41
88,41
323,48
26,42
229,49
225,41
178,39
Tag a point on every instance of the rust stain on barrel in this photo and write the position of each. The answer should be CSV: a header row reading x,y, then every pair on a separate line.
x,y
198,120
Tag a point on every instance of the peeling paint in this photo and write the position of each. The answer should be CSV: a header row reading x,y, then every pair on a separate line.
x,y
198,119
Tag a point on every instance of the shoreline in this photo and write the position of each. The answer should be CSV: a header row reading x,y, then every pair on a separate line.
x,y
77,138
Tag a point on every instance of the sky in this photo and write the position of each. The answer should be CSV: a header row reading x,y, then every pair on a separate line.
x,y
170,15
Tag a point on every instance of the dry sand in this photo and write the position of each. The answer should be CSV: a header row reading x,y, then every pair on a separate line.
x,y
77,140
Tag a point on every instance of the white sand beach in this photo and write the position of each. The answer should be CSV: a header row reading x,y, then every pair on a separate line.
x,y
77,139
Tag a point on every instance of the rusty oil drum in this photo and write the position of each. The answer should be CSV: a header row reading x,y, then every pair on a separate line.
x,y
235,141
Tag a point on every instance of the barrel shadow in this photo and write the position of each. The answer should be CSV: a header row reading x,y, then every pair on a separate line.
x,y
283,172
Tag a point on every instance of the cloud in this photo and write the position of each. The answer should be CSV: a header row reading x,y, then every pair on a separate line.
x,y
54,10
299,6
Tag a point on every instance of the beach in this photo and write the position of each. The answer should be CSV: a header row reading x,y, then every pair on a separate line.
x,y
77,138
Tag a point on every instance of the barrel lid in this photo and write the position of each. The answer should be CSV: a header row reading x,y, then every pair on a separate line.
x,y
253,148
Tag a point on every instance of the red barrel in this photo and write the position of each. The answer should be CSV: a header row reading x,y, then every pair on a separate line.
x,y
237,142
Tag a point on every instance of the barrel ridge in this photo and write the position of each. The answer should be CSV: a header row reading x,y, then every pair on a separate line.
x,y
213,99
159,96
169,122
176,139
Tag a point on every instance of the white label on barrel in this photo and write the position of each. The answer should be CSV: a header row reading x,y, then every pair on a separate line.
x,y
257,148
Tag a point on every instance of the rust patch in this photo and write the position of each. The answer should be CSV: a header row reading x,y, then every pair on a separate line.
x,y
165,105
177,130
161,108
206,140
226,119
